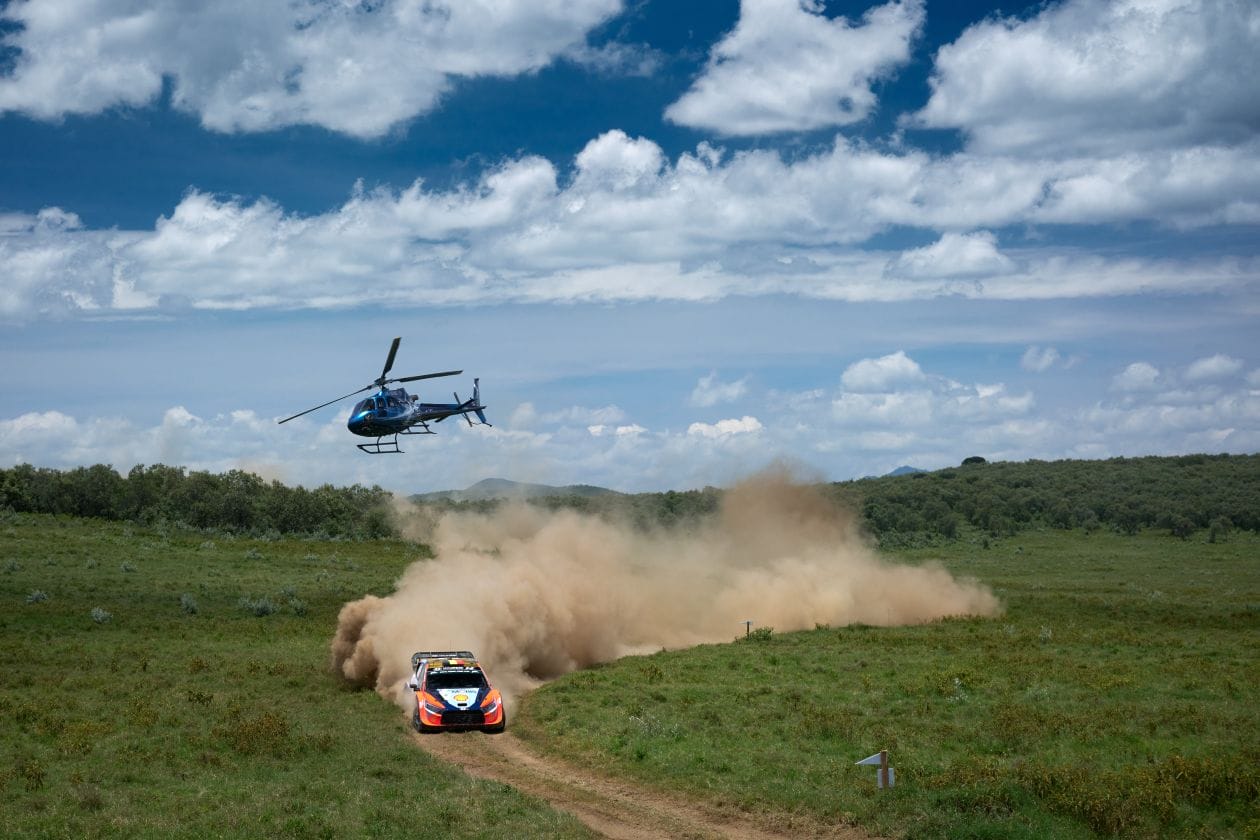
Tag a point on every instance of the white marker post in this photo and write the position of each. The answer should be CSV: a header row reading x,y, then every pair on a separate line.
x,y
886,777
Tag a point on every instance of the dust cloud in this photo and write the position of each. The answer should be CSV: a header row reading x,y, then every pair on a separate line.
x,y
536,594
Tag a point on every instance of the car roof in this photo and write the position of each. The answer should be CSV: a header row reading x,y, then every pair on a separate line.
x,y
460,664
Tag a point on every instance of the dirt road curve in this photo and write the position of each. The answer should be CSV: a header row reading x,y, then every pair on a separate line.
x,y
612,807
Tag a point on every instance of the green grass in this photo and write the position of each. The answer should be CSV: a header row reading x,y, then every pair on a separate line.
x,y
192,710
148,691
1116,696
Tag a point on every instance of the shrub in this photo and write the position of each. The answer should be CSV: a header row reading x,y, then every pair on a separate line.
x,y
260,607
37,596
32,773
89,797
100,615
1218,530
188,604
266,734
760,634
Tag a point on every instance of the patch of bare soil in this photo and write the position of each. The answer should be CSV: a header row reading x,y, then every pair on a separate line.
x,y
615,808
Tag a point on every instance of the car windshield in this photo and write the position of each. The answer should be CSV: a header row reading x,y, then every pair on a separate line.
x,y
457,679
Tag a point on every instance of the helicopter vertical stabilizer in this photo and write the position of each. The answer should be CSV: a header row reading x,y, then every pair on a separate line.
x,y
476,401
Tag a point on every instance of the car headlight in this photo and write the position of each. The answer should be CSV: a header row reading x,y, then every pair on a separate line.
x,y
432,709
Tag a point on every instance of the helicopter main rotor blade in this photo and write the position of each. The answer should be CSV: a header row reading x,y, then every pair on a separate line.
x,y
426,376
330,402
389,363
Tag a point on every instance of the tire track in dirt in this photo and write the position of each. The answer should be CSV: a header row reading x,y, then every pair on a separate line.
x,y
615,808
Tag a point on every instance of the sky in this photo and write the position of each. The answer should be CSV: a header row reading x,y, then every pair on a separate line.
x,y
675,241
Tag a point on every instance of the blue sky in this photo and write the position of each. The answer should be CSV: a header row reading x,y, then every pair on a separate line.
x,y
676,241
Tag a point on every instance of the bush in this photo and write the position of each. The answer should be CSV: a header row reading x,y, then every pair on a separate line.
x,y
266,734
1218,530
260,607
760,634
188,604
37,596
100,615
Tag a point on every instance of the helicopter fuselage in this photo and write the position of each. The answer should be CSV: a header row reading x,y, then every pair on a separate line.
x,y
392,411
388,412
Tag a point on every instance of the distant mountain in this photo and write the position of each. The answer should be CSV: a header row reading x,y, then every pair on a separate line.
x,y
905,470
502,488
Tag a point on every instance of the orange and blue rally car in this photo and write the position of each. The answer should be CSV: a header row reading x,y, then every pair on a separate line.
x,y
452,692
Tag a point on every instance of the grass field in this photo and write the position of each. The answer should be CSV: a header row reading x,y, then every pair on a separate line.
x,y
143,694
1117,695
168,683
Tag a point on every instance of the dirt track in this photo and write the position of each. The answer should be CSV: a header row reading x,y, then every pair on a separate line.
x,y
614,808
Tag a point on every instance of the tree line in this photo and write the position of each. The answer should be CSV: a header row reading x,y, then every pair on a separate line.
x,y
1214,494
236,501
1181,494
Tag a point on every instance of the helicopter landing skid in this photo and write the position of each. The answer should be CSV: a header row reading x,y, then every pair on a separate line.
x,y
381,446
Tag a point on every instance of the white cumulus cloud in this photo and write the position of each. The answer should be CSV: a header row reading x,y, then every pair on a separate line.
x,y
1213,367
1102,78
880,374
1039,359
1138,376
710,390
355,68
955,255
788,67
725,428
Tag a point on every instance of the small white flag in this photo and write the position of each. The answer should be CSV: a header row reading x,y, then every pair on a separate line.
x,y
872,760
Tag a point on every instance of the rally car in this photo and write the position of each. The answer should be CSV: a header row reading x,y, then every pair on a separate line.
x,y
452,692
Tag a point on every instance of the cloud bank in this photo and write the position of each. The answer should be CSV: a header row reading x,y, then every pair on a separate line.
x,y
627,224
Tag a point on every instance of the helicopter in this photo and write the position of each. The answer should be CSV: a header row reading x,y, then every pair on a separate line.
x,y
392,411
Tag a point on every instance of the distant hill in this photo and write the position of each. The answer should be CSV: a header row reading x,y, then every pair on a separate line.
x,y
502,488
902,470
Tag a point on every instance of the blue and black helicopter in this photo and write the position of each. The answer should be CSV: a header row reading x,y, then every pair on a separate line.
x,y
391,412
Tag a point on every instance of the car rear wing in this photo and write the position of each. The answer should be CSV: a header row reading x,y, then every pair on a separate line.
x,y
421,655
